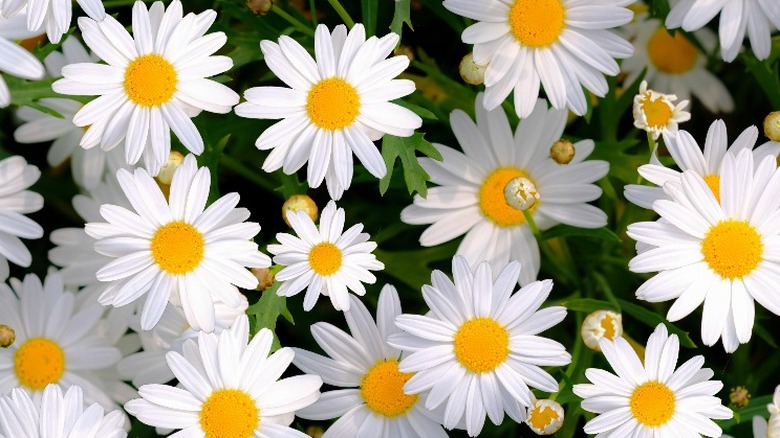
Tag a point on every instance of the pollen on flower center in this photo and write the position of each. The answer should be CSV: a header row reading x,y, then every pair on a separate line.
x,y
229,413
537,23
492,200
38,362
713,182
382,388
325,258
652,403
542,415
732,248
177,247
150,80
658,112
481,344
608,324
333,104
671,54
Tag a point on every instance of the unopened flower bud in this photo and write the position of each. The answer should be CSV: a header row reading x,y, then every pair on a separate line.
x,y
739,396
562,151
260,7
315,431
265,278
165,176
300,202
520,193
772,126
405,51
471,72
601,324
7,336
545,417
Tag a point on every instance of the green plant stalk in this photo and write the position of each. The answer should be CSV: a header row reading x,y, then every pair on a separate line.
x,y
254,177
301,26
569,276
342,13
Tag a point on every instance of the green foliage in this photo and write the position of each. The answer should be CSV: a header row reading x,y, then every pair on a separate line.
x,y
404,148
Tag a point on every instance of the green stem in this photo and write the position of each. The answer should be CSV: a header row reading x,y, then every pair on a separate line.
x,y
651,142
342,13
546,249
298,24
251,175
313,10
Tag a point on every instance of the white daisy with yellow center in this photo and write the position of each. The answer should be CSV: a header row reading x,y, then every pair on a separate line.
x,y
374,403
471,197
16,201
155,81
176,249
562,45
478,350
14,59
229,387
545,417
657,113
337,105
722,254
327,261
50,15
652,398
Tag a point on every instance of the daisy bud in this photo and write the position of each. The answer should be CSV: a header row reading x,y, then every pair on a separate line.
x,y
165,176
300,202
520,193
471,72
656,113
265,278
739,396
405,51
7,336
601,324
315,431
260,7
545,417
772,126
562,151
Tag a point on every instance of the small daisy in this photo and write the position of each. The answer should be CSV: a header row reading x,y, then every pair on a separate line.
x,y
57,415
154,82
174,249
722,254
478,349
14,59
562,45
229,387
471,198
55,16
737,17
656,112
654,398
374,405
15,201
601,324
338,103
545,417
326,261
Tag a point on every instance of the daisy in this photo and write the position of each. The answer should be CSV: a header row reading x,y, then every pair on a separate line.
x,y
478,349
722,254
53,15
471,198
14,59
651,398
175,250
57,415
562,45
15,201
601,324
545,417
326,261
737,17
656,112
337,104
154,82
374,404
229,388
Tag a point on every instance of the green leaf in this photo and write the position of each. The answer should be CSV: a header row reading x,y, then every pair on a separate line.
x,y
588,305
659,9
370,9
652,319
267,310
766,75
404,147
291,185
757,406
420,111
402,15
567,230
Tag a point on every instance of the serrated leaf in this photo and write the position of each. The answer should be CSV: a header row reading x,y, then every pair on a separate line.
x,y
267,310
567,230
420,111
652,319
403,12
404,148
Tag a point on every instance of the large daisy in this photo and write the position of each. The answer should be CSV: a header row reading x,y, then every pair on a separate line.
x,y
478,350
337,104
722,254
155,81
14,59
651,398
471,199
176,249
15,201
55,16
562,45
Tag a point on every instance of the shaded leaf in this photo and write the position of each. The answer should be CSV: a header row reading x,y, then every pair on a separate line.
x,y
404,148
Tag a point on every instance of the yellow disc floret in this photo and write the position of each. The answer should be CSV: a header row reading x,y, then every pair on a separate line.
x,y
537,23
229,413
713,182
325,258
671,54
732,248
658,112
333,104
177,247
38,362
492,200
481,345
652,403
150,80
382,388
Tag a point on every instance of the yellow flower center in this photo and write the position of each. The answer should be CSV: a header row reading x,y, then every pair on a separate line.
x,y
382,388
732,248
325,258
333,104
537,23
229,413
671,54
657,112
492,201
713,182
542,416
607,323
150,80
38,362
177,247
652,403
481,344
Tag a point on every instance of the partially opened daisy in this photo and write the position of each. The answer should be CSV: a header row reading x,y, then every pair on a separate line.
x,y
338,103
14,59
325,260
16,201
657,113
722,254
374,405
176,249
562,45
478,349
229,387
654,398
471,197
155,81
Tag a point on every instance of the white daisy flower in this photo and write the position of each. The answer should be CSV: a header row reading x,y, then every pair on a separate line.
x,y
174,249
471,199
337,104
14,59
656,113
722,254
601,324
478,349
374,405
52,15
15,201
154,82
654,398
545,417
327,261
230,387
562,45
57,415
755,18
